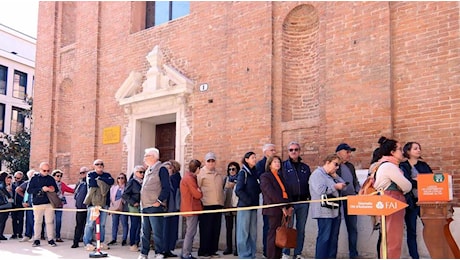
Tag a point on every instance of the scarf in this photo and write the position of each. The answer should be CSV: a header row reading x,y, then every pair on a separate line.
x,y
277,177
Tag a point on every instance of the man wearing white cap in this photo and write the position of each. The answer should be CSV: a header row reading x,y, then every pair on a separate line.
x,y
211,184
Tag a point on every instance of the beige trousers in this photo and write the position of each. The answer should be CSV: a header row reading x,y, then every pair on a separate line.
x,y
39,211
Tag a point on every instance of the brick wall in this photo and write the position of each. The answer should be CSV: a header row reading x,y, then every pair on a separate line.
x,y
316,72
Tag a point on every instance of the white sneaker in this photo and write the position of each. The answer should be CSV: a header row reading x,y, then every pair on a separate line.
x,y
90,247
141,256
299,257
25,239
104,246
159,256
133,248
286,256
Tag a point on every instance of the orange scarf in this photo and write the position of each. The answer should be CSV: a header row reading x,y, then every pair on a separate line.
x,y
277,177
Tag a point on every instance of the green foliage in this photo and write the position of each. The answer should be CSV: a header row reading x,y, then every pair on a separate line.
x,y
15,151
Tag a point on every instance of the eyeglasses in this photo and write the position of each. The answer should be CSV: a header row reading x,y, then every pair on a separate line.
x,y
99,164
141,172
82,172
121,178
45,170
211,160
18,179
294,150
59,176
232,169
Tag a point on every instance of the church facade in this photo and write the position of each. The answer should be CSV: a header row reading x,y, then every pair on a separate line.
x,y
228,77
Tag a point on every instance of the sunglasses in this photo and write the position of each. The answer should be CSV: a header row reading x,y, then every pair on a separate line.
x,y
336,164
141,172
18,179
99,164
59,176
45,170
121,178
210,160
294,150
82,172
232,169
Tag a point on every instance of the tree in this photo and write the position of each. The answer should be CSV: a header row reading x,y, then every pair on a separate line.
x,y
15,149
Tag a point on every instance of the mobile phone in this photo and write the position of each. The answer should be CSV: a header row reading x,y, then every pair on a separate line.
x,y
346,183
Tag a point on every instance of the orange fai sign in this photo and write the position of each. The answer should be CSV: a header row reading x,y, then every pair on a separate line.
x,y
376,205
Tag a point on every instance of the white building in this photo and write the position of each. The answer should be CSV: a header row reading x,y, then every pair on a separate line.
x,y
17,70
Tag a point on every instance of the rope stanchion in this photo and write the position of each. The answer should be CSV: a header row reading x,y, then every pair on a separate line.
x,y
96,214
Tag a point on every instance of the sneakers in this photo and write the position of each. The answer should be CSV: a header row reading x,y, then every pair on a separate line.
x,y
298,257
141,256
36,243
190,256
111,243
133,248
215,255
25,239
104,246
90,247
159,256
14,237
59,240
285,256
52,243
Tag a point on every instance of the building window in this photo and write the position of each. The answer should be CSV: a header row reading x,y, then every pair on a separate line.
x,y
160,12
19,85
2,118
3,79
18,120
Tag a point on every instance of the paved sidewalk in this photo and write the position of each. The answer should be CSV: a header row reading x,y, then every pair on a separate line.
x,y
13,249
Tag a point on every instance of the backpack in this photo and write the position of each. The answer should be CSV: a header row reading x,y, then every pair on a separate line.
x,y
368,186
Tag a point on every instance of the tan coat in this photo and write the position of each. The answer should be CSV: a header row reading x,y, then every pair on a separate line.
x,y
212,187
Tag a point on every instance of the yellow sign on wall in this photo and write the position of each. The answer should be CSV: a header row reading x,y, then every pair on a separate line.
x,y
111,135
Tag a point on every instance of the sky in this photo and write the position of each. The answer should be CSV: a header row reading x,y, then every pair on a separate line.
x,y
20,15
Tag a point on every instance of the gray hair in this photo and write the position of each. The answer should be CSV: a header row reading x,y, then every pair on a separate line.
x,y
293,143
266,147
153,151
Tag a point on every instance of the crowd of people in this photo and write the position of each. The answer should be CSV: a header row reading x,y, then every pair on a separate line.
x,y
157,187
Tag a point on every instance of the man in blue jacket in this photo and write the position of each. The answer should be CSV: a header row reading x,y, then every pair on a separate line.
x,y
39,185
80,217
296,175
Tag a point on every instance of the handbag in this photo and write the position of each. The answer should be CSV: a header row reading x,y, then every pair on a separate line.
x,y
116,205
286,237
54,199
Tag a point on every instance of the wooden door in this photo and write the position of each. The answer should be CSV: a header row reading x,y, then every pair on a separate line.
x,y
165,141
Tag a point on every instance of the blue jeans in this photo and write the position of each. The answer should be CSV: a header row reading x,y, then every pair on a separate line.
x,y
89,227
246,233
301,215
29,223
265,233
116,218
170,232
411,229
152,224
135,230
351,221
58,222
328,238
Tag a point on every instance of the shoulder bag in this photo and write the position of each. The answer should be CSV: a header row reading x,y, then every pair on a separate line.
x,y
286,237
54,199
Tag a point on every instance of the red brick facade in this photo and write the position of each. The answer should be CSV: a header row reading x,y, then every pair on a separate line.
x,y
317,72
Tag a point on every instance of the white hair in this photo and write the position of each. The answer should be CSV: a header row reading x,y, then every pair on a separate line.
x,y
153,151
266,147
